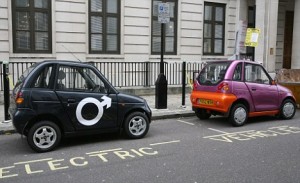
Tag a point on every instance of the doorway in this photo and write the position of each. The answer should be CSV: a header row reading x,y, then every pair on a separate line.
x,y
288,39
250,51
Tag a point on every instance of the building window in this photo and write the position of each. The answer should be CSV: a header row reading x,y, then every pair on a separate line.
x,y
31,26
170,29
213,29
104,26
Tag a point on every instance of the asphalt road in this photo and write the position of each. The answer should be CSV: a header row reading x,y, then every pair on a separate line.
x,y
175,150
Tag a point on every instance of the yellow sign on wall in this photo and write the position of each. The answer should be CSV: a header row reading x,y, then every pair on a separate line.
x,y
252,37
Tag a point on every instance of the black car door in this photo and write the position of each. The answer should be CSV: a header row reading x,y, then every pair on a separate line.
x,y
84,96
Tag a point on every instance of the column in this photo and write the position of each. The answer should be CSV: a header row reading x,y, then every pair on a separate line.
x,y
260,24
271,35
295,64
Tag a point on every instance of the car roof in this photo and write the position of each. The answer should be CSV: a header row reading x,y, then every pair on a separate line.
x,y
61,61
246,61
64,62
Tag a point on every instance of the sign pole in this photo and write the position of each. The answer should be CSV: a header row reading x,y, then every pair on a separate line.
x,y
162,49
161,84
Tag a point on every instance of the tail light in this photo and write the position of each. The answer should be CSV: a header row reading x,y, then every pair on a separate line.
x,y
195,84
19,98
223,87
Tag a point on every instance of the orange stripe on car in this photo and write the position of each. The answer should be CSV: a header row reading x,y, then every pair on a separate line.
x,y
220,102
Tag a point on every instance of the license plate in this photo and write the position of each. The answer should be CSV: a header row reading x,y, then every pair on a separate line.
x,y
205,101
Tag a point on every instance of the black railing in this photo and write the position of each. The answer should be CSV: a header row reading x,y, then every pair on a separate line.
x,y
123,74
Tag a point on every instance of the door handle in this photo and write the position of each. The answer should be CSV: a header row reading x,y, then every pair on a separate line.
x,y
253,89
71,100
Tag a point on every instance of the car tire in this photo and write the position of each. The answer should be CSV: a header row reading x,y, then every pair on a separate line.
x,y
44,136
238,115
136,125
287,109
202,114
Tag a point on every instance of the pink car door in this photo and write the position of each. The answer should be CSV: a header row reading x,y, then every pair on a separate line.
x,y
264,95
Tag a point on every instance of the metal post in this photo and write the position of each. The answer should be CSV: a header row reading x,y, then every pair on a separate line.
x,y
183,82
147,72
162,49
6,90
161,84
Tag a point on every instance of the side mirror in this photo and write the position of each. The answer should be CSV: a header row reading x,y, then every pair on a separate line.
x,y
273,82
107,89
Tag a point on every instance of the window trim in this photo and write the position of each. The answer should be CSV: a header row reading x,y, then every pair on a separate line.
x,y
175,20
104,16
213,22
31,10
241,72
262,69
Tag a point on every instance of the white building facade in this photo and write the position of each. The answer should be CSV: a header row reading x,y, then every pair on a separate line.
x,y
128,30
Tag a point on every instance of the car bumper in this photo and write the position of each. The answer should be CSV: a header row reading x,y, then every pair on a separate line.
x,y
20,118
148,112
219,102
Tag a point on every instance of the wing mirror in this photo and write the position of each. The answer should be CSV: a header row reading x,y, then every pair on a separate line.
x,y
273,82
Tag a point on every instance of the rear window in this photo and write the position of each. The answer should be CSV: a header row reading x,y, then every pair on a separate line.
x,y
213,73
24,75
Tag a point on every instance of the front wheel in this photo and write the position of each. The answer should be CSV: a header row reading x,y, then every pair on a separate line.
x,y
288,109
238,115
44,136
136,125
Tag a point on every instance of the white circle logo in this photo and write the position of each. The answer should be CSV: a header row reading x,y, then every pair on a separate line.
x,y
100,105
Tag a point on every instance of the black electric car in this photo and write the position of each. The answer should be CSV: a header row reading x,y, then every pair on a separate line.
x,y
55,99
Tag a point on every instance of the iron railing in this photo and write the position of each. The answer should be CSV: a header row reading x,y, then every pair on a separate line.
x,y
123,74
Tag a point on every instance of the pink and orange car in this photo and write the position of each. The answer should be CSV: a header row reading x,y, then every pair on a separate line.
x,y
239,89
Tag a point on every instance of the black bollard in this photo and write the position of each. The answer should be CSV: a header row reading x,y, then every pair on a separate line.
x,y
161,89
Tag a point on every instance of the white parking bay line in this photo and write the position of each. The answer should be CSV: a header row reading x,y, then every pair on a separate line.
x,y
188,123
217,130
161,143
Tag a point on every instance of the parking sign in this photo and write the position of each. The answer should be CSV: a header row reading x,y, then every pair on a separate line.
x,y
163,13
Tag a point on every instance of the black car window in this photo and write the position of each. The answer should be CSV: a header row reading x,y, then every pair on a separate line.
x,y
25,74
44,78
79,79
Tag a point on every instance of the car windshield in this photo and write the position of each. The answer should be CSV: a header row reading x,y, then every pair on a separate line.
x,y
213,73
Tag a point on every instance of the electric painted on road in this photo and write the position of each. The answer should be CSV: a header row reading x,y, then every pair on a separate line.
x,y
33,167
252,134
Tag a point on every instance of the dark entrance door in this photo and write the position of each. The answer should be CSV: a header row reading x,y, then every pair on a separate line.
x,y
288,39
251,24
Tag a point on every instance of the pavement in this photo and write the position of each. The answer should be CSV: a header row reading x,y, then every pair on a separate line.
x,y
174,109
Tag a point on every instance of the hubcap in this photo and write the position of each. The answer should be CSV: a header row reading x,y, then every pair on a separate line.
x,y
240,115
44,137
137,125
288,109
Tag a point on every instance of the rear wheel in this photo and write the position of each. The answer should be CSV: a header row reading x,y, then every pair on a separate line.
x,y
44,136
238,115
136,125
202,114
288,109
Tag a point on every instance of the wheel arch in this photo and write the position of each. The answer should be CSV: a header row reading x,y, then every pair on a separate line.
x,y
43,117
132,111
288,97
239,101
